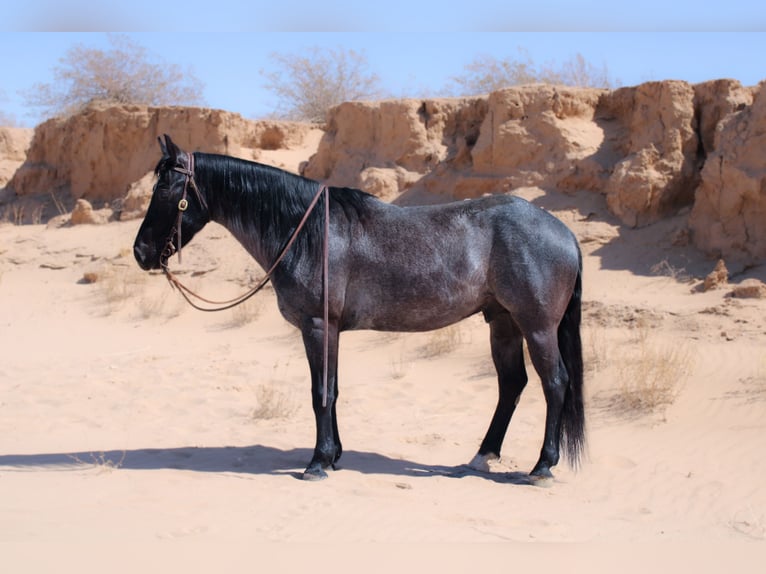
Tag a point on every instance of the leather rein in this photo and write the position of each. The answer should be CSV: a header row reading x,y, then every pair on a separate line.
x,y
190,295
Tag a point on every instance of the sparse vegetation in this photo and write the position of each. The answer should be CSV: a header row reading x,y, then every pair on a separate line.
x,y
271,403
101,460
307,85
485,74
400,365
116,284
122,74
595,350
442,341
651,375
666,269
245,313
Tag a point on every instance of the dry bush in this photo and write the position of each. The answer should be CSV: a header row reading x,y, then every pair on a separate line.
x,y
651,375
117,284
595,350
101,460
400,365
487,74
271,403
306,86
124,73
244,313
442,341
164,306
666,269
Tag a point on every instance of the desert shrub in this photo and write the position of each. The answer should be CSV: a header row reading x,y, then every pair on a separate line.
x,y
485,74
442,341
306,85
651,375
271,403
122,74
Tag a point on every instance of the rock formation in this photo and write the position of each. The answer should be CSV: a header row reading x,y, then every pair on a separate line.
x,y
100,153
651,150
729,214
14,143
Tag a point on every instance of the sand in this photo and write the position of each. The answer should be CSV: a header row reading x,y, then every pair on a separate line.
x,y
139,434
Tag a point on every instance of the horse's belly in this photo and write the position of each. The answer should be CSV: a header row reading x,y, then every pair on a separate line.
x,y
403,310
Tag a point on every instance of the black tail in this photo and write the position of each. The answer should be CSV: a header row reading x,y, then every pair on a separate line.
x,y
572,437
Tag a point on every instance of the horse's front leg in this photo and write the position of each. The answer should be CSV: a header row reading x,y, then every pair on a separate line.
x,y
328,448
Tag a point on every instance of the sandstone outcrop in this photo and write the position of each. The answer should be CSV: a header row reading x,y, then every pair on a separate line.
x,y
642,147
718,277
83,213
98,154
729,214
14,143
653,150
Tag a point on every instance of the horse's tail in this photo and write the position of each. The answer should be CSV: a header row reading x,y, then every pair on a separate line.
x,y
572,432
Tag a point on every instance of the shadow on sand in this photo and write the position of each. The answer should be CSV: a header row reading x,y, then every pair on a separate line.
x,y
254,460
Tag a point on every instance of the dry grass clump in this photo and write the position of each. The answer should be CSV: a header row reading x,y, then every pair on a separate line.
x,y
651,375
119,283
103,461
116,283
752,388
442,341
666,269
245,313
400,366
595,350
271,403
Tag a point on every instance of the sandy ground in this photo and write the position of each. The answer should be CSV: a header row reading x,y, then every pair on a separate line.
x,y
136,433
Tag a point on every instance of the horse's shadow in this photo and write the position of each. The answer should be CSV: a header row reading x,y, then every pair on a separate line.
x,y
253,460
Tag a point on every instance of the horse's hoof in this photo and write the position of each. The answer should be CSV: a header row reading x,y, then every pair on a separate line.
x,y
314,475
481,462
543,480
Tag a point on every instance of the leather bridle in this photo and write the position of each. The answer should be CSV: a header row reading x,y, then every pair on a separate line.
x,y
183,205
188,294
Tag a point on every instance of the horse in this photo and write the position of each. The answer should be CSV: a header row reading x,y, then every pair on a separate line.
x,y
392,268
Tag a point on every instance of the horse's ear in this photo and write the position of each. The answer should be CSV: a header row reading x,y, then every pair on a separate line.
x,y
169,149
163,147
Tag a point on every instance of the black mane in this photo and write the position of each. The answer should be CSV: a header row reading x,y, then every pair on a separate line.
x,y
271,201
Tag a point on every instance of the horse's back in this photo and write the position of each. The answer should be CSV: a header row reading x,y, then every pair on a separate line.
x,y
417,268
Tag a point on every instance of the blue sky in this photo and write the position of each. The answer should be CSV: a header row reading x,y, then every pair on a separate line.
x,y
414,48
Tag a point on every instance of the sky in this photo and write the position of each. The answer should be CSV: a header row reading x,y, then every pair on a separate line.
x,y
413,47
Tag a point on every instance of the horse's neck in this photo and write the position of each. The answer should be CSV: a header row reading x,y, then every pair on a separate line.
x,y
261,233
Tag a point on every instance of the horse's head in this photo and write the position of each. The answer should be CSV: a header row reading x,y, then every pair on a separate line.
x,y
177,210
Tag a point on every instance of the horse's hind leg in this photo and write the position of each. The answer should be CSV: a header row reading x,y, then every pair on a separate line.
x,y
508,355
544,352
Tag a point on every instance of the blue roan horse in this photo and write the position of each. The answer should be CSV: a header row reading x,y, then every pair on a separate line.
x,y
394,268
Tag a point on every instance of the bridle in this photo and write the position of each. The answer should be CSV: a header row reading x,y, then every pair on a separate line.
x,y
189,295
183,205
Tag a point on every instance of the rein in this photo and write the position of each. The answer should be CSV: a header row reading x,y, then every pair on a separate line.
x,y
189,294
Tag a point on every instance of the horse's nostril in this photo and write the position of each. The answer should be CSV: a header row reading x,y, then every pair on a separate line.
x,y
139,252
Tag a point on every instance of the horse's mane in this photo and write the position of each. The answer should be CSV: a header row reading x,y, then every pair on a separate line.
x,y
269,201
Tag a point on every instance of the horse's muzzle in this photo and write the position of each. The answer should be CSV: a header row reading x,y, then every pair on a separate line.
x,y
145,256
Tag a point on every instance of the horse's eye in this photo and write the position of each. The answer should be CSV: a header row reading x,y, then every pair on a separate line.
x,y
161,190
